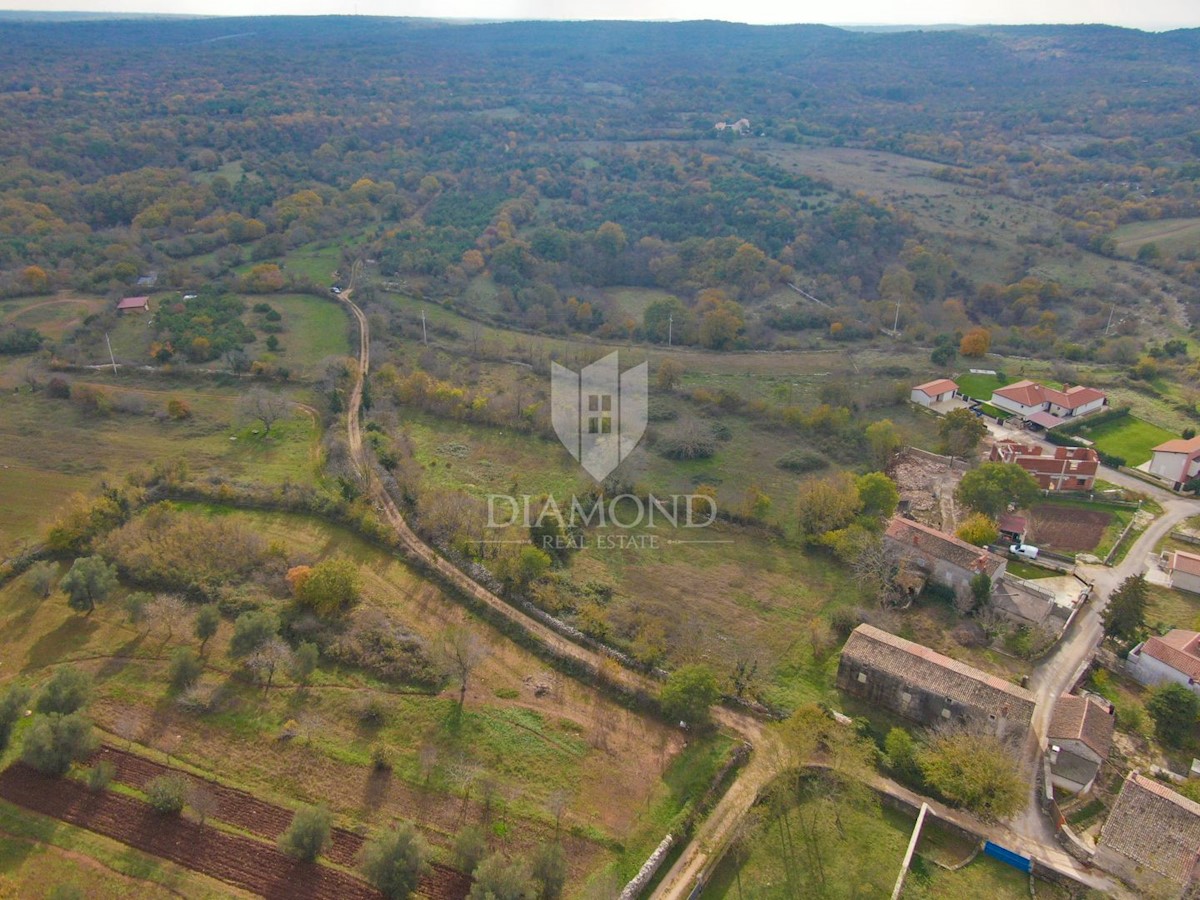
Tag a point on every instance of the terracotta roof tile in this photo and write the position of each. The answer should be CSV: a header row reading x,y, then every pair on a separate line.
x,y
1081,719
931,671
917,539
1155,827
940,386
1179,445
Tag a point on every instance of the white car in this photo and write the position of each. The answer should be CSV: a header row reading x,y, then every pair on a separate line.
x,y
1024,550
336,290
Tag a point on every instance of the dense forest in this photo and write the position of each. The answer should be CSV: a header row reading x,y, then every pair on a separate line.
x,y
558,160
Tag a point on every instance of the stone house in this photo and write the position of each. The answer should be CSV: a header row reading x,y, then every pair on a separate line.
x,y
929,688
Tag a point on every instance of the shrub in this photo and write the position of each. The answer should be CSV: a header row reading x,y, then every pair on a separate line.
x,y
58,388
470,847
394,860
1174,709
498,878
185,668
801,461
308,835
166,793
100,776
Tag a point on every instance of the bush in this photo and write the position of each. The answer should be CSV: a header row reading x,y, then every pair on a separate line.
x,y
1174,709
166,793
185,668
308,835
470,847
100,776
844,620
394,860
497,878
58,388
801,461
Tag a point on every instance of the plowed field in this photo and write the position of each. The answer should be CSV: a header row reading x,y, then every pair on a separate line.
x,y
245,862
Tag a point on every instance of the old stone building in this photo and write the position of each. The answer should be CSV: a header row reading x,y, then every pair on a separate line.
x,y
929,688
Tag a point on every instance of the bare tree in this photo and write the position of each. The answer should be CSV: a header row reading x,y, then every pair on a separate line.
x,y
201,799
557,803
129,725
875,570
267,659
167,612
460,651
261,405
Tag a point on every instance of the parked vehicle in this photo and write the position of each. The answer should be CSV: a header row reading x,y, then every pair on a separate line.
x,y
1024,550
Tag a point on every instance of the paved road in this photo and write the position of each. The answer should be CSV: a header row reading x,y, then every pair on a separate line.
x,y
1058,671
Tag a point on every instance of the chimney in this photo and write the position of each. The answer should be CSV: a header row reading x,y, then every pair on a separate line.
x,y
1054,751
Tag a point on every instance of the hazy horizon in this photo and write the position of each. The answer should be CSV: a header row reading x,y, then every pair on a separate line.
x,y
1167,15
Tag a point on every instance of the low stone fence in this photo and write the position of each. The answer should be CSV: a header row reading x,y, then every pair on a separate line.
x,y
648,870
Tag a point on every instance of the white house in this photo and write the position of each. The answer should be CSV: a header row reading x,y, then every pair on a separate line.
x,y
1184,570
932,392
1174,657
1079,737
1027,398
1176,461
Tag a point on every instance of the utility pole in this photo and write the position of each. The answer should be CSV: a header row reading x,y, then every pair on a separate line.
x,y
1112,309
110,353
896,324
424,336
670,327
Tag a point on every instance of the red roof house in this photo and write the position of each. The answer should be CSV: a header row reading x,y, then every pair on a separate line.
x,y
1025,398
134,304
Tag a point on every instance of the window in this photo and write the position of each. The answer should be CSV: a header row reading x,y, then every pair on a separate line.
x,y
906,697
602,405
946,713
862,677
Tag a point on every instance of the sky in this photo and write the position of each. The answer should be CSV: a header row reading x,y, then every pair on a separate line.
x,y
1157,16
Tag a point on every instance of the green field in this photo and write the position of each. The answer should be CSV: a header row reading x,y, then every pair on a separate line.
x,y
1171,236
1127,437
862,856
979,387
314,328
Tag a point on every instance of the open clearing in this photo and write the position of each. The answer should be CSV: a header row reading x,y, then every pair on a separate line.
x,y
54,317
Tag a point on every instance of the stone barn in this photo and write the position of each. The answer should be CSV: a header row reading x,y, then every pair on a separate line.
x,y
929,688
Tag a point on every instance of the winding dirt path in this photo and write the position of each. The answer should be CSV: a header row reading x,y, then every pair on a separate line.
x,y
771,754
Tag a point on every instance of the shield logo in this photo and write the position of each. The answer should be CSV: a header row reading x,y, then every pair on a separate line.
x,y
599,413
